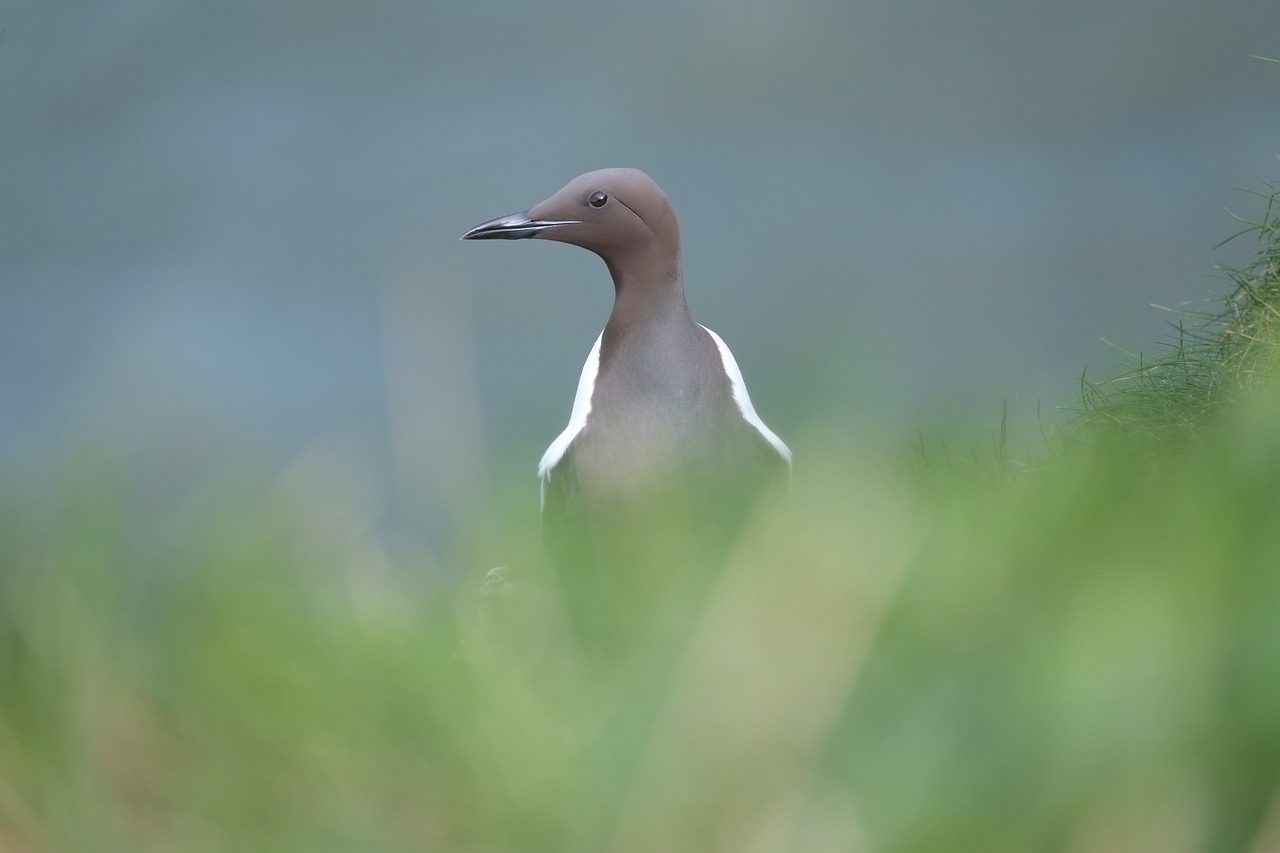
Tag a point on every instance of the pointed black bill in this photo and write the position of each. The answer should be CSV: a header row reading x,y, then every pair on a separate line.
x,y
514,226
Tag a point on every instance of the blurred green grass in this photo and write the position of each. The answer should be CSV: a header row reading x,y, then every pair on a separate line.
x,y
1079,657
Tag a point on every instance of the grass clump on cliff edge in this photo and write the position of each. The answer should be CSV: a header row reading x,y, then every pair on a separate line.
x,y
1214,357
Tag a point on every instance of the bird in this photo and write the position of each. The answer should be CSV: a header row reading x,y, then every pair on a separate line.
x,y
662,430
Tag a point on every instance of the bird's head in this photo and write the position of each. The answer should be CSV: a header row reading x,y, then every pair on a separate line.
x,y
612,212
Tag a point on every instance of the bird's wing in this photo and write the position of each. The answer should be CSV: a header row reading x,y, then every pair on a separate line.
x,y
743,399
577,417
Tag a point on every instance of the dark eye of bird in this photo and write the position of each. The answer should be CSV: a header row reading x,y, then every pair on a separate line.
x,y
598,199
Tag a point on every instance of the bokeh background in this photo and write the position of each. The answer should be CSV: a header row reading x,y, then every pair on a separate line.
x,y
265,426
228,232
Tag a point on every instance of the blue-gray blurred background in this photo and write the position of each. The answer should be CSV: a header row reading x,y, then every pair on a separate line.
x,y
228,231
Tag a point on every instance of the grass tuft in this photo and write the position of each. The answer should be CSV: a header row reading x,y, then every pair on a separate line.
x,y
1210,359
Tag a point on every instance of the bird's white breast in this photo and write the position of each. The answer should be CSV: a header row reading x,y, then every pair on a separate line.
x,y
586,388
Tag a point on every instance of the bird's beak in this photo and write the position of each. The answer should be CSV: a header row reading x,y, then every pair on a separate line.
x,y
515,226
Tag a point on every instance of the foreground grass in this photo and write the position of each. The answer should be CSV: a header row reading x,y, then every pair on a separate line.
x,y
1085,663
1085,660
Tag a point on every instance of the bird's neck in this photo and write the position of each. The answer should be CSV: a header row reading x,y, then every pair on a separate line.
x,y
647,289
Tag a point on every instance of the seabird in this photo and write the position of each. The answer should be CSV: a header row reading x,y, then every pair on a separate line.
x,y
661,399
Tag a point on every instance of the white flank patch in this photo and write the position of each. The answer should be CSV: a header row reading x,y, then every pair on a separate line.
x,y
743,399
577,416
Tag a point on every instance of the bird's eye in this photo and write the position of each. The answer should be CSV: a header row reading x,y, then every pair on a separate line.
x,y
598,199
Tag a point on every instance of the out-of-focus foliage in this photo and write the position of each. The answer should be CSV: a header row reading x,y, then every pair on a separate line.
x,y
1085,660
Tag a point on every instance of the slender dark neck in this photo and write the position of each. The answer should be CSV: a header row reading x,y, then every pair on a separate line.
x,y
647,287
